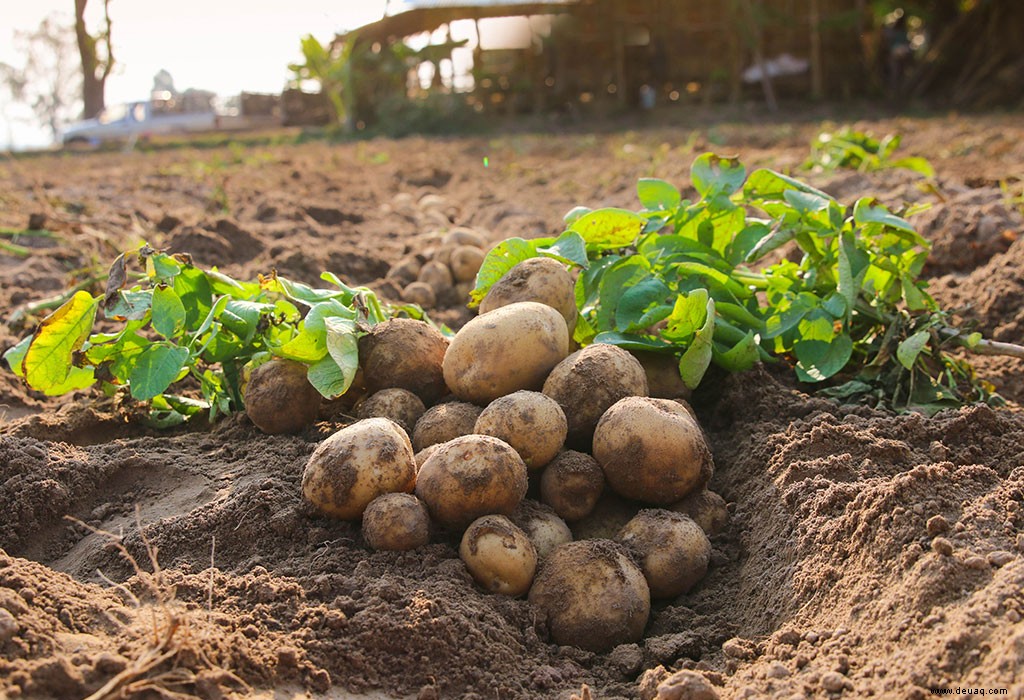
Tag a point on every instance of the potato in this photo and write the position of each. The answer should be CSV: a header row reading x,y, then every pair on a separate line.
x,y
438,276
663,379
443,254
706,508
543,280
592,596
461,235
356,464
672,550
422,455
608,517
396,522
444,422
511,348
405,271
652,450
279,398
404,353
532,423
589,381
542,525
499,555
400,405
572,484
432,200
465,262
421,294
471,476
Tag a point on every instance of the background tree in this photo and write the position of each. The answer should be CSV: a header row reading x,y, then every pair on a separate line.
x,y
48,81
97,59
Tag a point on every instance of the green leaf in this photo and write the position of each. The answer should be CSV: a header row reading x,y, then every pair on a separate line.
x,y
767,185
155,368
615,282
342,346
916,299
569,248
688,315
499,260
168,312
836,305
193,289
129,304
162,267
742,356
575,214
714,175
908,349
243,317
915,163
609,228
307,346
628,341
50,354
637,300
818,360
866,211
695,361
655,194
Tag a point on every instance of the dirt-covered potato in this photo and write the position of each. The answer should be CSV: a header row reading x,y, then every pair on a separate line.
x,y
652,450
543,280
444,422
465,262
511,348
471,476
589,381
607,518
442,254
663,379
396,522
404,353
405,271
592,596
499,555
571,484
531,422
356,464
438,276
461,235
279,398
672,550
400,405
421,294
422,455
542,525
706,508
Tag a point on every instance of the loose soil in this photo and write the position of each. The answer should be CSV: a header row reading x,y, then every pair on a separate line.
x,y
867,553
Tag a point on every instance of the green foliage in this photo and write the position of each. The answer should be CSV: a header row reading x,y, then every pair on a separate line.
x,y
761,268
856,150
332,68
199,329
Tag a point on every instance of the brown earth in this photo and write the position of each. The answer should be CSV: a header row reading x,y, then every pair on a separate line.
x,y
867,554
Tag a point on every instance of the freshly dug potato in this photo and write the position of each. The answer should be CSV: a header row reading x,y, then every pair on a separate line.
x,y
571,484
443,254
652,450
511,348
396,522
356,464
531,422
608,517
422,455
400,405
421,294
589,381
279,398
706,508
444,422
438,276
543,280
544,528
461,235
663,379
672,550
465,262
404,353
471,476
499,555
592,595
405,271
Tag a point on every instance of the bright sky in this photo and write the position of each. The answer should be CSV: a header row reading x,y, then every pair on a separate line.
x,y
226,46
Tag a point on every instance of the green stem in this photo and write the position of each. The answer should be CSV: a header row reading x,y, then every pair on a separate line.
x,y
53,302
984,346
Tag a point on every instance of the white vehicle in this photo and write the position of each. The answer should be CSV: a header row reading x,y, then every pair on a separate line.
x,y
136,120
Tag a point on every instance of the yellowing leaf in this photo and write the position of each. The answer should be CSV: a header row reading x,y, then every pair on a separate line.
x,y
49,358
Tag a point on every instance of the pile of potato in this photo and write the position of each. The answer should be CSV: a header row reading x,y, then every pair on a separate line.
x,y
443,274
453,436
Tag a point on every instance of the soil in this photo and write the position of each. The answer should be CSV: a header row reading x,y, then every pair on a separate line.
x,y
867,553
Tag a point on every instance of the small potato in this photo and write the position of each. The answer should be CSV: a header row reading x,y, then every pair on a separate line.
x,y
444,422
532,423
432,200
571,484
543,280
592,596
706,508
465,262
356,464
443,254
461,235
279,398
499,555
544,528
672,550
511,348
421,294
405,271
404,353
438,275
396,522
400,405
663,378
589,381
471,476
652,450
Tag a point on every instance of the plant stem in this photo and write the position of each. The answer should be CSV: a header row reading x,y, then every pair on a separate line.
x,y
984,346
52,302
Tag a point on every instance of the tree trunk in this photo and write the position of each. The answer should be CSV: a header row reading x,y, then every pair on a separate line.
x,y
94,70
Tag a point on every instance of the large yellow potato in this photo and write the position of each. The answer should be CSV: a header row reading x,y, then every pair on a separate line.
x,y
444,422
532,423
672,550
652,450
543,280
356,464
511,348
404,353
499,555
